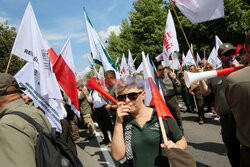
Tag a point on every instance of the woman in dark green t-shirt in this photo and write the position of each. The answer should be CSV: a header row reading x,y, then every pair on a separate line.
x,y
137,134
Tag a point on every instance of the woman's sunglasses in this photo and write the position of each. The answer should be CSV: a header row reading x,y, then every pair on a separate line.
x,y
131,96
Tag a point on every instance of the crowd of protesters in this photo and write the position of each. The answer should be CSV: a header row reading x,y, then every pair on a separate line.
x,y
134,129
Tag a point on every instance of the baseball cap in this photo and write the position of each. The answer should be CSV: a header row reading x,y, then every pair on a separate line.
x,y
7,80
225,47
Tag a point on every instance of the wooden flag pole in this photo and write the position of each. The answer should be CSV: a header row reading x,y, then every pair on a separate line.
x,y
6,71
171,3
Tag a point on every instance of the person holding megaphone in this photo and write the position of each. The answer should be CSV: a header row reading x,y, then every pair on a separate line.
x,y
237,92
215,85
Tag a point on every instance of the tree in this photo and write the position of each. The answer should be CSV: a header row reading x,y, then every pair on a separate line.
x,y
7,38
145,29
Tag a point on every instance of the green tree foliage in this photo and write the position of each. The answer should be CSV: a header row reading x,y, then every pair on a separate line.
x,y
7,38
145,29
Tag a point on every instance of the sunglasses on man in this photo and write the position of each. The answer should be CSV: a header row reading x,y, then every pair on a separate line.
x,y
131,96
162,69
229,53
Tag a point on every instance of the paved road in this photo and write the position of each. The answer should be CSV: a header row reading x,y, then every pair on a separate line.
x,y
204,144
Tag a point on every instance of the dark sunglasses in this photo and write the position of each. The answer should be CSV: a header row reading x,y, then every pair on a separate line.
x,y
228,53
162,69
131,96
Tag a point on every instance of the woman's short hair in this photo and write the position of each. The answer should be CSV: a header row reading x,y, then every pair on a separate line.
x,y
135,81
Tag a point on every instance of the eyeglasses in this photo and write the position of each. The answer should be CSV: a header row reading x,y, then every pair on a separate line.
x,y
131,96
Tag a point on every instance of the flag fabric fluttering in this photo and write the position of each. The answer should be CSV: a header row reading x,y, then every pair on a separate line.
x,y
204,54
118,58
214,60
198,59
158,101
148,101
183,59
170,43
189,60
84,72
140,68
99,52
37,76
159,57
131,67
123,67
198,11
65,75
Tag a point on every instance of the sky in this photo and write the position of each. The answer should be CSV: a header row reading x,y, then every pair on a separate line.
x,y
62,19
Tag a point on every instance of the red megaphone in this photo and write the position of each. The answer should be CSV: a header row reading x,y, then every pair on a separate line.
x,y
92,84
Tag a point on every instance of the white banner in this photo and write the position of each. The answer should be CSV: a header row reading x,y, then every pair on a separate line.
x,y
201,10
40,79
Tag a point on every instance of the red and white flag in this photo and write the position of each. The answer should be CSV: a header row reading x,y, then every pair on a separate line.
x,y
64,70
158,101
159,57
201,10
170,43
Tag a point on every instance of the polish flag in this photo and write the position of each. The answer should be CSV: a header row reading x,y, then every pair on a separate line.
x,y
159,103
63,68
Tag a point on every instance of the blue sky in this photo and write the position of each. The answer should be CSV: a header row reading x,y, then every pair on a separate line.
x,y
60,19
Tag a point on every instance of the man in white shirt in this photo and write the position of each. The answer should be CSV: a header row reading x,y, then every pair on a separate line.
x,y
102,117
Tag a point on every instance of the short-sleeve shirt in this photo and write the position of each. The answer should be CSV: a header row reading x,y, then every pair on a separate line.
x,y
85,107
237,91
216,85
146,140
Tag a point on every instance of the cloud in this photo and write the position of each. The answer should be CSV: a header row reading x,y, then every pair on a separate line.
x,y
79,37
86,55
105,34
113,6
3,19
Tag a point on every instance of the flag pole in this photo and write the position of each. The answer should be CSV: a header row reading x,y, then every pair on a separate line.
x,y
7,68
195,103
163,131
184,34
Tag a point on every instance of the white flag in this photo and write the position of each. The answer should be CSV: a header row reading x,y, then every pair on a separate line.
x,y
198,59
159,57
214,60
183,60
117,60
189,60
131,66
201,10
37,77
140,68
99,52
170,43
84,72
123,67
218,43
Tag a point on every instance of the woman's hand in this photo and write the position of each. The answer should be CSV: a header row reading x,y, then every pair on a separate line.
x,y
169,144
122,110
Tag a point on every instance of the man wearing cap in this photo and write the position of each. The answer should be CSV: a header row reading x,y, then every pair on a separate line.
x,y
215,85
17,136
85,109
237,92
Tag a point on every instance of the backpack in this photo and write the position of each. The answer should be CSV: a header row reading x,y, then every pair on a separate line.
x,y
50,151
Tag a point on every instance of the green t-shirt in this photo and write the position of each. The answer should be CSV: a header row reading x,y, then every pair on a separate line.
x,y
146,140
216,85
